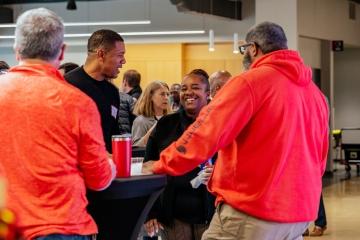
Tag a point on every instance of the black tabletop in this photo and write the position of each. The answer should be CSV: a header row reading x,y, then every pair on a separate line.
x,y
135,186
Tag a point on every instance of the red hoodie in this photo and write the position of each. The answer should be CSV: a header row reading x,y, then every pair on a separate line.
x,y
270,126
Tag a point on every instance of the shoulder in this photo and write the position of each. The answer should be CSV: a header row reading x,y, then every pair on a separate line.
x,y
125,98
170,119
139,120
77,102
111,86
75,76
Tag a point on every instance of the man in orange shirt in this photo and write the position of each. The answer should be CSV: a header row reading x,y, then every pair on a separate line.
x,y
270,128
52,147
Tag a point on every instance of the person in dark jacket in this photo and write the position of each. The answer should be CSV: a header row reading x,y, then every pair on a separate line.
x,y
67,67
185,208
126,117
131,83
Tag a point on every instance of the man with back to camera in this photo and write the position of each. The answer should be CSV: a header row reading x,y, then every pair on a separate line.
x,y
106,55
52,149
271,131
217,81
131,84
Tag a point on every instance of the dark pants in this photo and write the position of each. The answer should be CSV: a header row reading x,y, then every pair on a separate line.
x,y
64,237
321,219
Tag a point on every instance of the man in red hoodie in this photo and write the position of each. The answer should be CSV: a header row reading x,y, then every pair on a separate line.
x,y
270,127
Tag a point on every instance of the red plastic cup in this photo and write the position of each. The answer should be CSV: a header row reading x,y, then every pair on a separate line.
x,y
121,152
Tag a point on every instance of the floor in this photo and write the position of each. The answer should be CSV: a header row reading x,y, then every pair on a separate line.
x,y
342,204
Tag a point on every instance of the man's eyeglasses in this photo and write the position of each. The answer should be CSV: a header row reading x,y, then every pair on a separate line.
x,y
242,48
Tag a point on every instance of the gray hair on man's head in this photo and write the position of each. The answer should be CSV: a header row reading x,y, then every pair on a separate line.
x,y
217,80
268,36
39,34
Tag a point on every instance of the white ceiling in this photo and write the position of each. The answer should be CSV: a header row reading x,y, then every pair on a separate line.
x,y
163,16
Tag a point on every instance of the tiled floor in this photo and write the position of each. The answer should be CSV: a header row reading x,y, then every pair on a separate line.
x,y
342,204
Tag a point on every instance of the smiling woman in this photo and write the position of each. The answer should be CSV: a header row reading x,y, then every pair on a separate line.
x,y
194,92
185,208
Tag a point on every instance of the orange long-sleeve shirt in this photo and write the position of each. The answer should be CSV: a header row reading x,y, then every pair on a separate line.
x,y
51,149
270,125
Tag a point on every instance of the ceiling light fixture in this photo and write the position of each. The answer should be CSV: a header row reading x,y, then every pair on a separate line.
x,y
79,35
211,40
236,43
71,5
77,24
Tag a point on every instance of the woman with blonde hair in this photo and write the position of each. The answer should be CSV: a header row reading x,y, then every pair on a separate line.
x,y
149,108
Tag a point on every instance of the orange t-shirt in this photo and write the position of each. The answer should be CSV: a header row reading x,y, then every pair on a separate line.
x,y
51,149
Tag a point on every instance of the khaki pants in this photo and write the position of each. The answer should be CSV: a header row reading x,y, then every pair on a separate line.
x,y
230,224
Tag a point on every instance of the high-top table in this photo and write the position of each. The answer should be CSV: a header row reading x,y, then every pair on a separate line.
x,y
121,209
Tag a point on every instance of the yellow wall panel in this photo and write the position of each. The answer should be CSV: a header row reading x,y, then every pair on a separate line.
x,y
209,66
154,62
198,56
169,72
234,67
170,62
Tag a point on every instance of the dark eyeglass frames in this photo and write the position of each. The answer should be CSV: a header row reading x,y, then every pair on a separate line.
x,y
242,48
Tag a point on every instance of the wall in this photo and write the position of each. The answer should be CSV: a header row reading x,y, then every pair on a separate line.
x,y
282,12
170,62
328,19
154,62
197,55
310,50
347,92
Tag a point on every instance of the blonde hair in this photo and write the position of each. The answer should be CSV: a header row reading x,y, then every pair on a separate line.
x,y
144,105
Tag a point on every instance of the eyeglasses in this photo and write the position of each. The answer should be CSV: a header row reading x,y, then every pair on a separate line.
x,y
242,48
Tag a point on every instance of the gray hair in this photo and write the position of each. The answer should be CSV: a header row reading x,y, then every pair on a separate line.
x,y
217,80
268,37
39,34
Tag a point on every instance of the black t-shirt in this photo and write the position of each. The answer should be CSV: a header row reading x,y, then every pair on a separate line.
x,y
107,99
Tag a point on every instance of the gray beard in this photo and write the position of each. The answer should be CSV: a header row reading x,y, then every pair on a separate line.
x,y
247,61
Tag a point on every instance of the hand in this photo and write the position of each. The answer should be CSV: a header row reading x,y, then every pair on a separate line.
x,y
152,226
205,174
147,167
202,177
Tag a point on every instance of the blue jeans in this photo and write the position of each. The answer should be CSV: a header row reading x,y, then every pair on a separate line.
x,y
321,219
64,237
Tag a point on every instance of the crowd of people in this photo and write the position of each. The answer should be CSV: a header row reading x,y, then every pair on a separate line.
x,y
257,132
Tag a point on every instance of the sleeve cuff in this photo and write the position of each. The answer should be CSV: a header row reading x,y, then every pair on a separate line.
x,y
158,167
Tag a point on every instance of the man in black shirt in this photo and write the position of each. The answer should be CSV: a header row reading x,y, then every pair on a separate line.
x,y
106,50
105,56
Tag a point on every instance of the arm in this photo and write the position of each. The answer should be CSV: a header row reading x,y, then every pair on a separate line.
x,y
144,140
217,125
152,150
98,170
140,128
